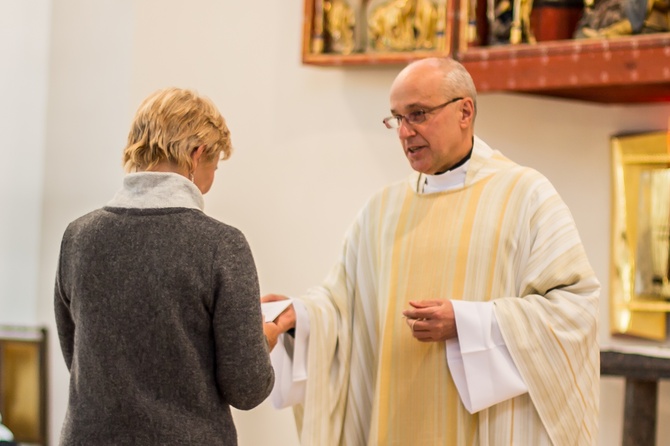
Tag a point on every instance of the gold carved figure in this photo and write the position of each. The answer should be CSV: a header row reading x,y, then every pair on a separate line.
x,y
521,31
340,22
425,23
510,21
403,25
613,18
390,26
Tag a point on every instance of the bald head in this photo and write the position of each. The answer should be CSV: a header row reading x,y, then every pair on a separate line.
x,y
433,105
453,79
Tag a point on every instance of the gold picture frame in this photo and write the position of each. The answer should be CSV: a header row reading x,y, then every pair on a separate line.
x,y
362,32
23,383
640,267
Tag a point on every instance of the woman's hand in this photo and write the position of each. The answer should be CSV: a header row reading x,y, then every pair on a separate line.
x,y
284,322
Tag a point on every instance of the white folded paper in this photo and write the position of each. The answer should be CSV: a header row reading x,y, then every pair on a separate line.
x,y
271,310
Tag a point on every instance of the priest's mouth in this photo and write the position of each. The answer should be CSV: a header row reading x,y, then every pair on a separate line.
x,y
415,149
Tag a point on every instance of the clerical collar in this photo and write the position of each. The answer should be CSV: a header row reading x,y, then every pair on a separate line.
x,y
450,179
458,164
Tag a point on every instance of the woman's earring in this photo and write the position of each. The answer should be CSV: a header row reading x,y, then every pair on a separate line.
x,y
191,176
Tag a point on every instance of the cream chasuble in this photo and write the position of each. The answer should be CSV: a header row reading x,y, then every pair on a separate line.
x,y
505,236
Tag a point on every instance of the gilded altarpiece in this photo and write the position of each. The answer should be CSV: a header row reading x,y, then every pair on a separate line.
x,y
640,267
345,27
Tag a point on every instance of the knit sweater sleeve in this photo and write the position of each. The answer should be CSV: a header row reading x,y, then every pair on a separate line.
x,y
64,322
243,370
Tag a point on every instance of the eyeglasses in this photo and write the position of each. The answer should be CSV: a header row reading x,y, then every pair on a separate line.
x,y
415,117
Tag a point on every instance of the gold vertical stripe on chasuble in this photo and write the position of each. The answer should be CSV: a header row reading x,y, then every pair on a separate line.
x,y
430,261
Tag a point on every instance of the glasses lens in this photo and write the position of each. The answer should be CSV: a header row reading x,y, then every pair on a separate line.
x,y
392,122
416,117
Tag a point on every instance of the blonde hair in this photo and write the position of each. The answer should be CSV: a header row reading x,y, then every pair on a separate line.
x,y
169,125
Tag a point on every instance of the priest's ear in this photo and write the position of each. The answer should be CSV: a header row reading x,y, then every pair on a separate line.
x,y
467,112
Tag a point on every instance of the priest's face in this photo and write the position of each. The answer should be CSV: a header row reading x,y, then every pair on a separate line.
x,y
435,130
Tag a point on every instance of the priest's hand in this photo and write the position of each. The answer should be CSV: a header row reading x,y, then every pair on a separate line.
x,y
431,320
286,320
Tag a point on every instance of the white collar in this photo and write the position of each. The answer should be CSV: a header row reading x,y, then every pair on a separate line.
x,y
152,190
451,179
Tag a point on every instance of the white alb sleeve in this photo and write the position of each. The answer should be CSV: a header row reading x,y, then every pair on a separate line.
x,y
289,360
479,362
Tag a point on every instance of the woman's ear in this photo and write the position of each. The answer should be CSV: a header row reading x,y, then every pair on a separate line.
x,y
196,154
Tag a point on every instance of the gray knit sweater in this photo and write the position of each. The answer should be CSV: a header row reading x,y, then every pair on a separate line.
x,y
158,313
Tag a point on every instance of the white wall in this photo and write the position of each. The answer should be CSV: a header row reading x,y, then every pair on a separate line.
x,y
24,56
310,149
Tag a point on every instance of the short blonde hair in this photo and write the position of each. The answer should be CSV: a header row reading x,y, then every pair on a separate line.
x,y
171,123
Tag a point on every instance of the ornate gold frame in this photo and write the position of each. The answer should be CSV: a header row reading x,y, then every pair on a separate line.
x,y
23,383
634,309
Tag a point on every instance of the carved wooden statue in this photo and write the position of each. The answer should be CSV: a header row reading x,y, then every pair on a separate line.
x,y
612,18
390,26
521,31
425,24
340,22
510,21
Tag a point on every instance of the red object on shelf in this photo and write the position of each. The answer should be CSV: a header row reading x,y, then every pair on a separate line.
x,y
555,20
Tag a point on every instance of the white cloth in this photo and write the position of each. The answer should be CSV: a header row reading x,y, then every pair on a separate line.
x,y
5,433
479,362
289,358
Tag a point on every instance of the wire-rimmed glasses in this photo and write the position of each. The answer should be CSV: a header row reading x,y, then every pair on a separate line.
x,y
415,117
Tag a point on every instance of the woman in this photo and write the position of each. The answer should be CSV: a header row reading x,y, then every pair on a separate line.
x,y
157,305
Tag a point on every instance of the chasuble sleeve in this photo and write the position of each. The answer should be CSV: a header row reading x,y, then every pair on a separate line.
x,y
289,359
550,328
333,329
479,361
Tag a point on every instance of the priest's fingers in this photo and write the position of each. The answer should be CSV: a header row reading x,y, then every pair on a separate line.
x,y
273,297
286,320
426,303
434,330
444,312
410,323
427,309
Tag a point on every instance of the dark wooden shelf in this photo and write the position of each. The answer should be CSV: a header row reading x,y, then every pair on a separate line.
x,y
632,69
642,374
397,58
633,365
